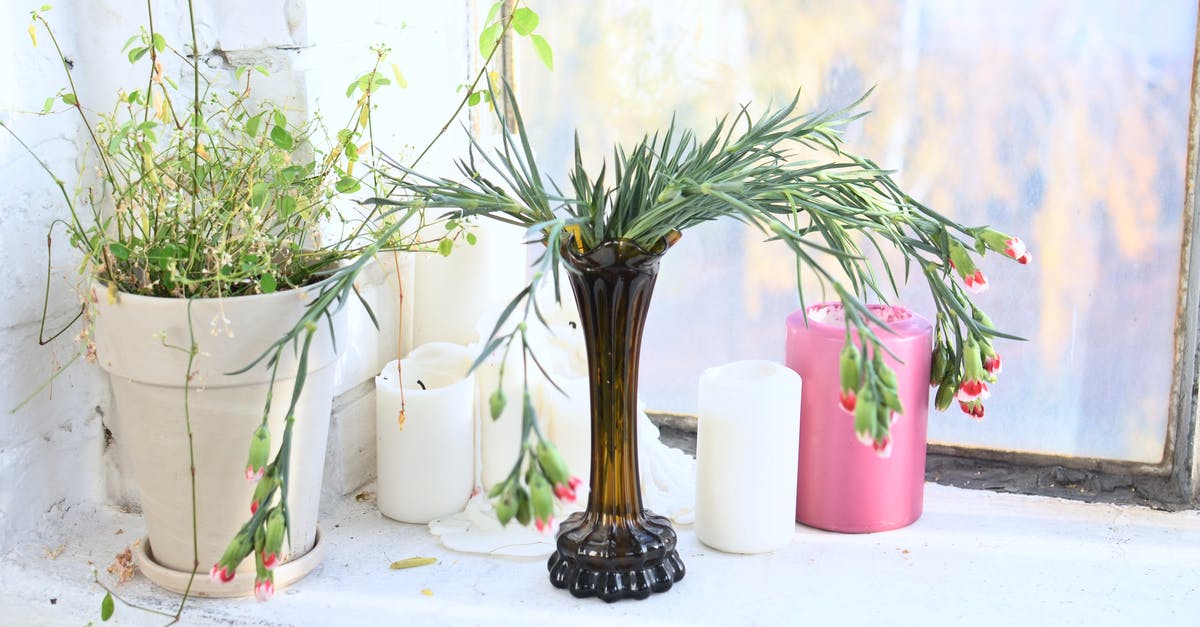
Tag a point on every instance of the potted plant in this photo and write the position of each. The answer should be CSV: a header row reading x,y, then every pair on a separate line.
x,y
202,238
785,173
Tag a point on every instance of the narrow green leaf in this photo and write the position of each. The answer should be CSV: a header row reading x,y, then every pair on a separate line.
x,y
413,562
524,21
543,50
48,105
280,137
347,185
45,7
106,607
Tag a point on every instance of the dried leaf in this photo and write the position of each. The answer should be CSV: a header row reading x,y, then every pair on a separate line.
x,y
123,567
413,562
427,592
365,497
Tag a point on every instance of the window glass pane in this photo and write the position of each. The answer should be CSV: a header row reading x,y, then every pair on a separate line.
x,y
1064,122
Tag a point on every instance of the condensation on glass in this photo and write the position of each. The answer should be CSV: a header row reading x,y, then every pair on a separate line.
x,y
1064,122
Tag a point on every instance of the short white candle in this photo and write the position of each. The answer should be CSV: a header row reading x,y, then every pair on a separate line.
x,y
746,456
426,460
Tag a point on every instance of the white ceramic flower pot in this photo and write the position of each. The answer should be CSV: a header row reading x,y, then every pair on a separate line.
x,y
141,342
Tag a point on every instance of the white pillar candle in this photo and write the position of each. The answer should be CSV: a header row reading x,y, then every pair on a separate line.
x,y
746,445
426,457
451,293
569,420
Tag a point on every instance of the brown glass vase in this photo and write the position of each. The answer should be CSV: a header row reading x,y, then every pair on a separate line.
x,y
616,549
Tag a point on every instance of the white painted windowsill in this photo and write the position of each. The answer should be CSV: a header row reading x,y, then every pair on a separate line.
x,y
974,558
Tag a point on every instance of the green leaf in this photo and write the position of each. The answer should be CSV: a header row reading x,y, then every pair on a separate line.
x,y
287,206
160,42
400,80
45,7
473,99
445,246
493,12
106,607
48,105
252,125
488,38
543,50
280,118
347,185
137,53
237,74
258,193
524,21
119,250
291,173
267,283
280,137
471,239
69,99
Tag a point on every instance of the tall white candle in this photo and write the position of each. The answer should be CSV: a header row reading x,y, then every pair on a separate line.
x,y
569,418
746,445
425,456
451,293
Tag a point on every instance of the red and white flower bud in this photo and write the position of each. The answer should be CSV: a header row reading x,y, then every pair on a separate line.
x,y
992,364
847,401
1025,259
1014,247
264,589
972,408
972,390
545,525
976,283
220,574
884,448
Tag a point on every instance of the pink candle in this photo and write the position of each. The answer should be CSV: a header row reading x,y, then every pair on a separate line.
x,y
843,485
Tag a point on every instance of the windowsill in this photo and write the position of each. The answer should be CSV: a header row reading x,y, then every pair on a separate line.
x,y
974,557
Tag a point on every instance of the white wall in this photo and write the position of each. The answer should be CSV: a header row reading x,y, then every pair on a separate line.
x,y
53,454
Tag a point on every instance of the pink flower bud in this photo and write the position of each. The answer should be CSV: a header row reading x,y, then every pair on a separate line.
x,y
270,561
264,589
992,364
253,507
1025,259
1014,247
976,283
972,390
564,493
220,574
575,483
545,525
884,448
847,400
253,474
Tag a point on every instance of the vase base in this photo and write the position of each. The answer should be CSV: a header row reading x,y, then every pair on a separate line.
x,y
613,558
242,586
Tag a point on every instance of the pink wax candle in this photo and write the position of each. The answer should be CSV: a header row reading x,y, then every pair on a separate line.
x,y
843,485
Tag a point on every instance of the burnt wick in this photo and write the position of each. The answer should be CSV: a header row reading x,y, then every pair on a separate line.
x,y
572,323
421,384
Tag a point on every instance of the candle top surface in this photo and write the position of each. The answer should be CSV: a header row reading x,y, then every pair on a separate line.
x,y
830,319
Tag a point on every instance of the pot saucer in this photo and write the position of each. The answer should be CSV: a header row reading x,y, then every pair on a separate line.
x,y
242,586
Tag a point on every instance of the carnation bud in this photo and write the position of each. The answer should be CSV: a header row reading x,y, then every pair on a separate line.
x,y
849,365
506,507
945,395
552,463
541,497
496,403
260,450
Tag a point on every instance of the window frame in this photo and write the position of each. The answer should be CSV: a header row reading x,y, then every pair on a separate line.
x,y
1171,484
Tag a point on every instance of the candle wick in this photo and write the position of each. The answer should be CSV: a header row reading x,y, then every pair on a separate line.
x,y
572,323
421,384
